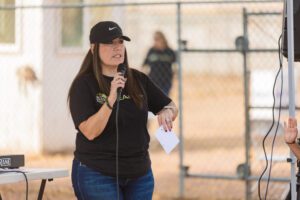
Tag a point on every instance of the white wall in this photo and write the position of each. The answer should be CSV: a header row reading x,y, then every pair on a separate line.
x,y
20,111
60,66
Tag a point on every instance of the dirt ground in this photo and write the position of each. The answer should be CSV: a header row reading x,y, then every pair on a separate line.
x,y
213,126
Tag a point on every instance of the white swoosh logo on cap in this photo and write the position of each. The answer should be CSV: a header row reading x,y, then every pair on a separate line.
x,y
110,29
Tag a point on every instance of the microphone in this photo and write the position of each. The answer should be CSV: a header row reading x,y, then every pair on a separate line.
x,y
121,69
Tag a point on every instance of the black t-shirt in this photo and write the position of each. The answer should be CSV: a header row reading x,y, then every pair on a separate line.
x,y
160,62
100,153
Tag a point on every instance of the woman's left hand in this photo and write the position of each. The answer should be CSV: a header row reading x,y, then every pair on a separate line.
x,y
165,119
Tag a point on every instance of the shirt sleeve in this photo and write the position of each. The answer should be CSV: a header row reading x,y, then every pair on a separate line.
x,y
156,98
173,55
146,61
81,102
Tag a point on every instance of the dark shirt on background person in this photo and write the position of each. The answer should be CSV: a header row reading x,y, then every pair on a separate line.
x,y
159,59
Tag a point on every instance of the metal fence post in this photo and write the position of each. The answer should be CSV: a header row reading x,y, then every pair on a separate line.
x,y
181,170
291,82
247,117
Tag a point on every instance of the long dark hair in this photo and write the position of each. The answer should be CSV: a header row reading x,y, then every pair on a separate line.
x,y
163,37
92,64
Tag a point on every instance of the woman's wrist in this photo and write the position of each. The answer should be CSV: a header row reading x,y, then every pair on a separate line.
x,y
168,113
110,101
108,104
171,108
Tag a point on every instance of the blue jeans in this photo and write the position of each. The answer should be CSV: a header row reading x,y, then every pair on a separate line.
x,y
89,184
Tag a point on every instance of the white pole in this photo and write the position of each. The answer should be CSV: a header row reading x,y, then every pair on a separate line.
x,y
290,33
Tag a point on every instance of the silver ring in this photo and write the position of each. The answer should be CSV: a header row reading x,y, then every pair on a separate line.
x,y
168,120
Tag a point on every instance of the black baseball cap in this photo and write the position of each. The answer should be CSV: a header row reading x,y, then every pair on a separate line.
x,y
105,32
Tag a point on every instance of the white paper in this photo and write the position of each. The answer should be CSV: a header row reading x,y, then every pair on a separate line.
x,y
168,140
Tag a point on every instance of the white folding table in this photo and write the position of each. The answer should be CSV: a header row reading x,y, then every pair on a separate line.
x,y
8,176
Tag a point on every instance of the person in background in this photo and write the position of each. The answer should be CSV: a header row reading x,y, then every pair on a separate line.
x,y
159,59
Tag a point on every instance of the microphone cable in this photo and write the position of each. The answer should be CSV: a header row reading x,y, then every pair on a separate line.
x,y
122,69
117,142
279,72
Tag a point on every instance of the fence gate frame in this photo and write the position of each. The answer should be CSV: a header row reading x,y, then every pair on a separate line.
x,y
242,46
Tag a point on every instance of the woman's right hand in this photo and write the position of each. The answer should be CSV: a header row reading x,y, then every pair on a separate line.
x,y
118,82
290,131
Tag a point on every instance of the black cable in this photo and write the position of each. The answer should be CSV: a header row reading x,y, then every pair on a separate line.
x,y
122,68
279,114
117,142
270,129
26,179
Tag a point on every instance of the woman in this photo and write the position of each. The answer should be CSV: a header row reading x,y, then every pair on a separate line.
x,y
92,100
160,59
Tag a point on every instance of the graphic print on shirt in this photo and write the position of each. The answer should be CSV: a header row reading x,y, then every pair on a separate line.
x,y
101,97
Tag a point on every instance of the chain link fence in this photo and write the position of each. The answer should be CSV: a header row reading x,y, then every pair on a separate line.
x,y
219,68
